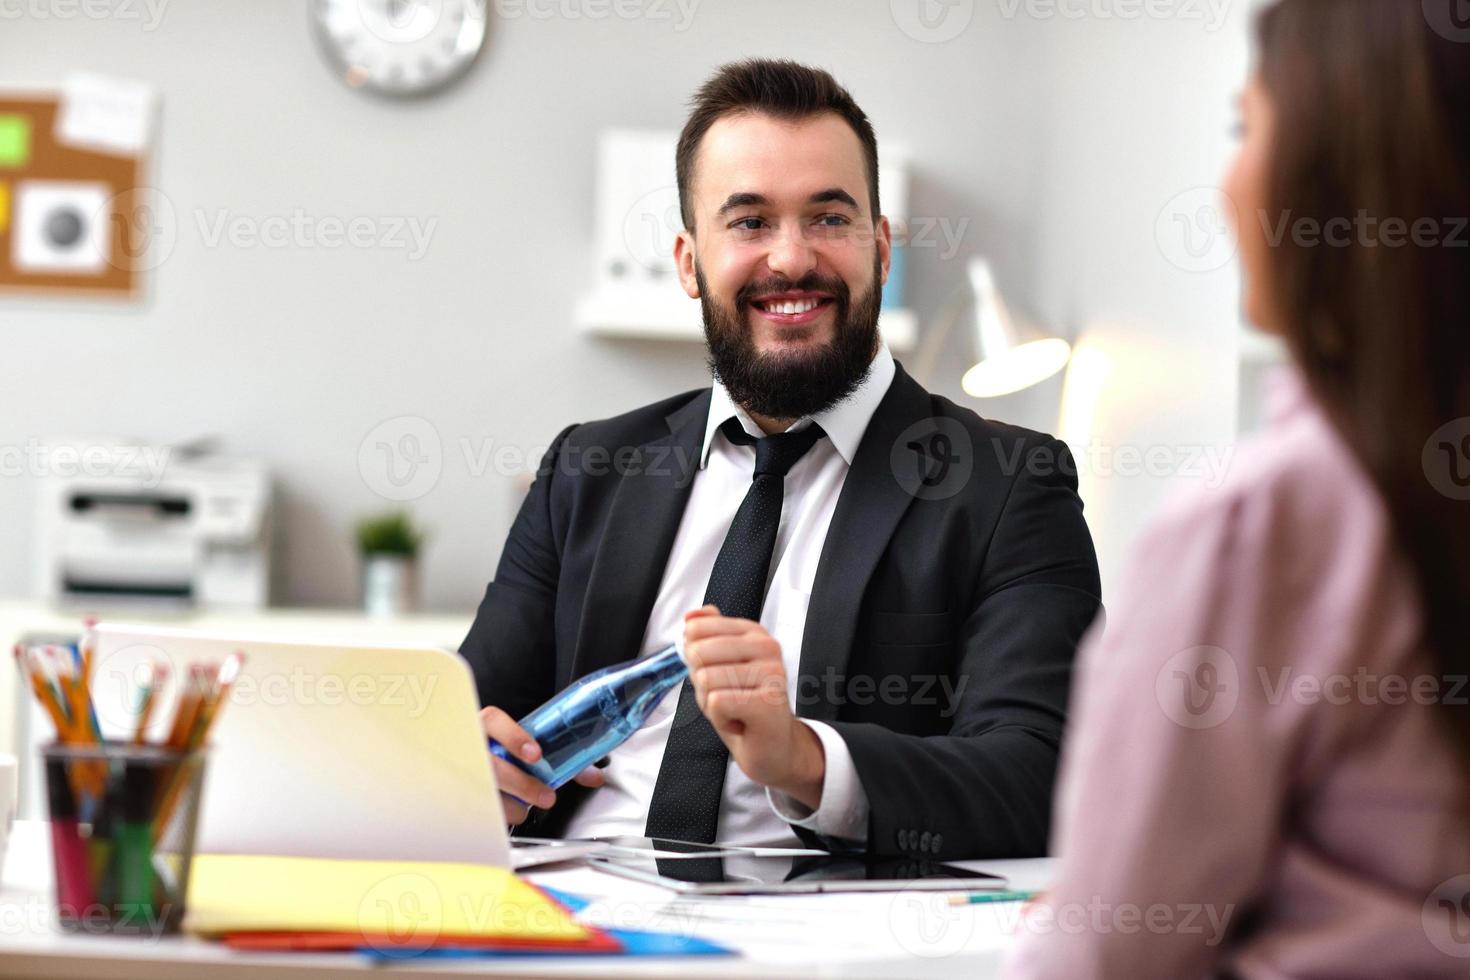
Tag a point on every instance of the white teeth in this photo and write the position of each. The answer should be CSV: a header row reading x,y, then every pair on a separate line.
x,y
790,308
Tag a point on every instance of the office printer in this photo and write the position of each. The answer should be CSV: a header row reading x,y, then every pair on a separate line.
x,y
124,522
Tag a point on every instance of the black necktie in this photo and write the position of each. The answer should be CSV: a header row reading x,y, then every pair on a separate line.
x,y
691,780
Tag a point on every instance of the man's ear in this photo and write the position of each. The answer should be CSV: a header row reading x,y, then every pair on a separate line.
x,y
885,247
684,261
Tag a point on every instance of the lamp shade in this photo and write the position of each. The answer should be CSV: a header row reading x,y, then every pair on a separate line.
x,y
1011,356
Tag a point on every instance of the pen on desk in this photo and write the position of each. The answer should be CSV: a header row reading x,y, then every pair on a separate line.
x,y
980,898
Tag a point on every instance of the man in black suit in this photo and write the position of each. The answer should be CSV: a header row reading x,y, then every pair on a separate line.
x,y
879,592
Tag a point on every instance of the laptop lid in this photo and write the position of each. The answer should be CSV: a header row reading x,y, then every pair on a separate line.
x,y
325,750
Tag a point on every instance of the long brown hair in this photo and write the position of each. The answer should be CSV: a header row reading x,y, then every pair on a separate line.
x,y
1372,106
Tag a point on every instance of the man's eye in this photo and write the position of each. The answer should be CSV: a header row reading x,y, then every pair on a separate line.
x,y
748,224
832,220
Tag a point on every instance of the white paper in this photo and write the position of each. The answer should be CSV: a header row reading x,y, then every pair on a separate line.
x,y
107,115
62,227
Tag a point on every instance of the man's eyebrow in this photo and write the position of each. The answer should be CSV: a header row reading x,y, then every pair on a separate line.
x,y
742,200
834,195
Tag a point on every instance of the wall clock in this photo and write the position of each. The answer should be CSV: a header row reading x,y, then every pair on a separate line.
x,y
400,47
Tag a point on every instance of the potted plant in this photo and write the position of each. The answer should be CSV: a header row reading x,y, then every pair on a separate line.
x,y
390,546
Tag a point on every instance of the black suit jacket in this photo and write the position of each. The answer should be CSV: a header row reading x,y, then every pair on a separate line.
x,y
956,580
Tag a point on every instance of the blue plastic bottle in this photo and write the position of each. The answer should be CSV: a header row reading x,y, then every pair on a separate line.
x,y
596,714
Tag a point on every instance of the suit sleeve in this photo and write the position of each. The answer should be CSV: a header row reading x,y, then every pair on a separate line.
x,y
984,790
511,646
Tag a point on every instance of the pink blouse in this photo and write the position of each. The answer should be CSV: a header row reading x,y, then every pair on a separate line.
x,y
1254,781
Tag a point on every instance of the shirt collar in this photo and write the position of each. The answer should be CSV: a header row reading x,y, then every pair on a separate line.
x,y
844,422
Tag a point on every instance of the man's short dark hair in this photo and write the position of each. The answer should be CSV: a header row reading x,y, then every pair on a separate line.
x,y
783,89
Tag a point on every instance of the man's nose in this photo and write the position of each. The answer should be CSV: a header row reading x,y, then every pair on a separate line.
x,y
792,255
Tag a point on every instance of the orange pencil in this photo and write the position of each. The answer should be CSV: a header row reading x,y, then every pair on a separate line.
x,y
40,690
154,676
190,701
217,690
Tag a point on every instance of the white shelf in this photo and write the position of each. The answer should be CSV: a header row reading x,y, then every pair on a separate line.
x,y
655,314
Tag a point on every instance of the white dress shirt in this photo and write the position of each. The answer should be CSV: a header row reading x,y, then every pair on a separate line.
x,y
749,814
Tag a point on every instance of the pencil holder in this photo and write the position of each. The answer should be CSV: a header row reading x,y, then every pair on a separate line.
x,y
122,834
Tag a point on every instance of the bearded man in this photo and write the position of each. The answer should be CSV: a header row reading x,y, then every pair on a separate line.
x,y
879,593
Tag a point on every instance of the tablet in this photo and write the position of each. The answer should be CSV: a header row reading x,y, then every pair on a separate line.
x,y
786,875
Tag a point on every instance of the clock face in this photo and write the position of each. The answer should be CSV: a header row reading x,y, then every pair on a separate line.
x,y
400,47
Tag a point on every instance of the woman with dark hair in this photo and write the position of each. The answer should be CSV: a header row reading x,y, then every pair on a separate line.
x,y
1265,774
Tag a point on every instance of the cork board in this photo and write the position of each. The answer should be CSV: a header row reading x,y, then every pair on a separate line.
x,y
108,193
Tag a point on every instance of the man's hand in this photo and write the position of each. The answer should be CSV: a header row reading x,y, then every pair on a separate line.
x,y
740,682
519,790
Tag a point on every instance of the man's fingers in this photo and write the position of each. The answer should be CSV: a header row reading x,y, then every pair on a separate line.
x,y
523,785
591,777
714,625
516,812
728,648
727,709
503,728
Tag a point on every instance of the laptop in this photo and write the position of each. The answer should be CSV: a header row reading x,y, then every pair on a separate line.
x,y
325,750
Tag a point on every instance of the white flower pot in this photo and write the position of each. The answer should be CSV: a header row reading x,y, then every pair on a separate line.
x,y
389,585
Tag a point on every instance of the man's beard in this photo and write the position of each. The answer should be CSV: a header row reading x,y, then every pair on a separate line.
x,y
790,385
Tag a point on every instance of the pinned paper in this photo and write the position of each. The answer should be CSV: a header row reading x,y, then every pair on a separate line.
x,y
107,115
61,226
15,141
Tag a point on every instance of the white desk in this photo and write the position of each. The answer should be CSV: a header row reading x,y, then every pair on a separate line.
x,y
798,938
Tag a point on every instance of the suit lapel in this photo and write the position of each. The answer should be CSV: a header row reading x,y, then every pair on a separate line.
x,y
868,510
644,519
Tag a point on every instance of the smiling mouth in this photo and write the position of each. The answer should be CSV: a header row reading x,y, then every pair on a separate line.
x,y
792,308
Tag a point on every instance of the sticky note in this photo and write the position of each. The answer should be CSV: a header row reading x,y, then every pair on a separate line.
x,y
4,205
230,893
15,141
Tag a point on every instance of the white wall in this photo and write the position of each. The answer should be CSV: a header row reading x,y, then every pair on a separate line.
x,y
1058,141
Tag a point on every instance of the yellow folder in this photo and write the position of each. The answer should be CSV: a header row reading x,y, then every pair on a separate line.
x,y
406,900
